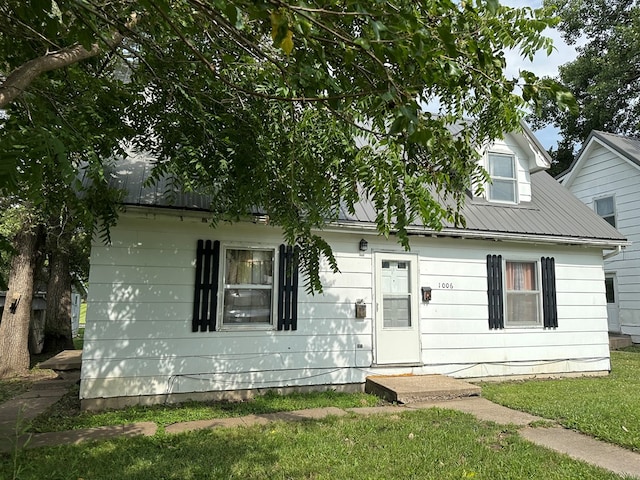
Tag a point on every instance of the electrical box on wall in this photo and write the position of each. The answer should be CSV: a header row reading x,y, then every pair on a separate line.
x,y
426,294
361,309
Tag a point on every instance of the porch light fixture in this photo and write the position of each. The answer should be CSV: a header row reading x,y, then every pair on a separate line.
x,y
363,245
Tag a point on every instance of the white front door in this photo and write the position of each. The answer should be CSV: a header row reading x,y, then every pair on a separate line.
x,y
611,288
397,309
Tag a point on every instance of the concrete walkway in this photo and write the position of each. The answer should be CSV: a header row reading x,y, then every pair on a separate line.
x,y
573,444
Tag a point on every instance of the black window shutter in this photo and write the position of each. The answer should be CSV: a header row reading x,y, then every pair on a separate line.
x,y
494,291
549,303
205,299
288,288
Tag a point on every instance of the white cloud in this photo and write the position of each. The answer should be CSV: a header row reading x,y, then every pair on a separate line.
x,y
543,65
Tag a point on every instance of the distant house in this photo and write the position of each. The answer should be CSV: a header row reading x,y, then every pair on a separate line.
x,y
606,177
178,310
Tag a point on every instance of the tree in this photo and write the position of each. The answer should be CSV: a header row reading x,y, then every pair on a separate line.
x,y
14,330
605,76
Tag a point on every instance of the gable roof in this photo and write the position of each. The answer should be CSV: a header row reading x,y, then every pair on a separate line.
x,y
553,216
626,147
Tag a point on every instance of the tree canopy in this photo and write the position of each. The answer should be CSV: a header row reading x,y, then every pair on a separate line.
x,y
298,107
605,76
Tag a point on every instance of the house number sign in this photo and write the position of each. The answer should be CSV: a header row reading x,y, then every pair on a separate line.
x,y
445,285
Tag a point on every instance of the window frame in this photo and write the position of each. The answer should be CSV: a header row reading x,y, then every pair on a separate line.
x,y
223,286
513,179
614,215
538,277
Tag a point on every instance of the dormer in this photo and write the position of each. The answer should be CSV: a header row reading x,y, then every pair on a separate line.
x,y
510,163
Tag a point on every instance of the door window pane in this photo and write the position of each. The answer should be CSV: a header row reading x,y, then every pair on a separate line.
x,y
396,294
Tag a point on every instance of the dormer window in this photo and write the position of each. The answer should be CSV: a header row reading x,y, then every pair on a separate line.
x,y
502,169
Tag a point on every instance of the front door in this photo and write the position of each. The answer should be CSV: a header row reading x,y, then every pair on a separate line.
x,y
397,309
611,289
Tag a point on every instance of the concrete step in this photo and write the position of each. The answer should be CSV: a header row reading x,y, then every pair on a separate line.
x,y
65,360
419,388
618,341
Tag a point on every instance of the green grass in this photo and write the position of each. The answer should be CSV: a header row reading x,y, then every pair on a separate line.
x,y
79,340
604,407
425,444
83,314
66,414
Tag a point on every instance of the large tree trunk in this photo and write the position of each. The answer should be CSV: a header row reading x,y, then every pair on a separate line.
x,y
57,332
14,328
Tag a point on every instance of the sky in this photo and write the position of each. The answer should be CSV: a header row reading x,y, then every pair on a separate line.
x,y
542,65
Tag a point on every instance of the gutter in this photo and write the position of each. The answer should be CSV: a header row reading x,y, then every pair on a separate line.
x,y
370,228
612,254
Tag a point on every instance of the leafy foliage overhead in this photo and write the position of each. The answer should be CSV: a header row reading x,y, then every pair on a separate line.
x,y
298,107
605,76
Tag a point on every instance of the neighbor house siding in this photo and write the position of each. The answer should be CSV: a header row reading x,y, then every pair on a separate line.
x,y
138,338
605,173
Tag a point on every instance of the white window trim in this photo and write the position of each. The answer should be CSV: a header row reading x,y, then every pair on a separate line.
x,y
514,178
221,326
540,323
615,209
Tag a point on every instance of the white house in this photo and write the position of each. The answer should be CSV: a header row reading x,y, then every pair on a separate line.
x,y
606,177
179,310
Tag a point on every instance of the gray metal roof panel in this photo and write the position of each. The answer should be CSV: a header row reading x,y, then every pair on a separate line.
x,y
553,211
626,146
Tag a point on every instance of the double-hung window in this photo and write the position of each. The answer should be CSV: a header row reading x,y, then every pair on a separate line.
x,y
606,208
247,287
503,186
522,294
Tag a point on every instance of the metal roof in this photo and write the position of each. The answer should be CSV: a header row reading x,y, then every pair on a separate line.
x,y
553,215
627,147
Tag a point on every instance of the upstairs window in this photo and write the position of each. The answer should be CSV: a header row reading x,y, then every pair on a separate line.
x,y
606,208
502,170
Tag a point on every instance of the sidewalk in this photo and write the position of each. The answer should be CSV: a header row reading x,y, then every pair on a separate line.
x,y
47,392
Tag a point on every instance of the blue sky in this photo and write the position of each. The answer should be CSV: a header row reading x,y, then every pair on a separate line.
x,y
542,65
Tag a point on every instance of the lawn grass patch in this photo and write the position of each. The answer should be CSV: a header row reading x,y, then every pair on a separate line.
x,y
431,443
66,414
607,408
78,340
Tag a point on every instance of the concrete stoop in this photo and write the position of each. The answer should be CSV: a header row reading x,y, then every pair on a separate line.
x,y
618,341
419,388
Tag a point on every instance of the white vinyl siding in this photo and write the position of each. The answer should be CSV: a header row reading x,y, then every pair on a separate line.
x,y
138,338
603,173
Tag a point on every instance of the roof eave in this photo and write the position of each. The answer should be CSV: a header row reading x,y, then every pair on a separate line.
x,y
365,227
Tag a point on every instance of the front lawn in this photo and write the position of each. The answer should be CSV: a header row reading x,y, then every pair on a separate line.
x,y
604,407
438,444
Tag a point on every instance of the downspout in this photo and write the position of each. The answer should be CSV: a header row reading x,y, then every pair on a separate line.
x,y
612,254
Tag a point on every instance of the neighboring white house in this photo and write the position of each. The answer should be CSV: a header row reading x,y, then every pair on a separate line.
x,y
606,177
179,310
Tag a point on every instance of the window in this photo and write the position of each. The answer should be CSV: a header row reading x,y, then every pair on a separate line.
x,y
503,186
610,290
247,287
524,295
605,207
